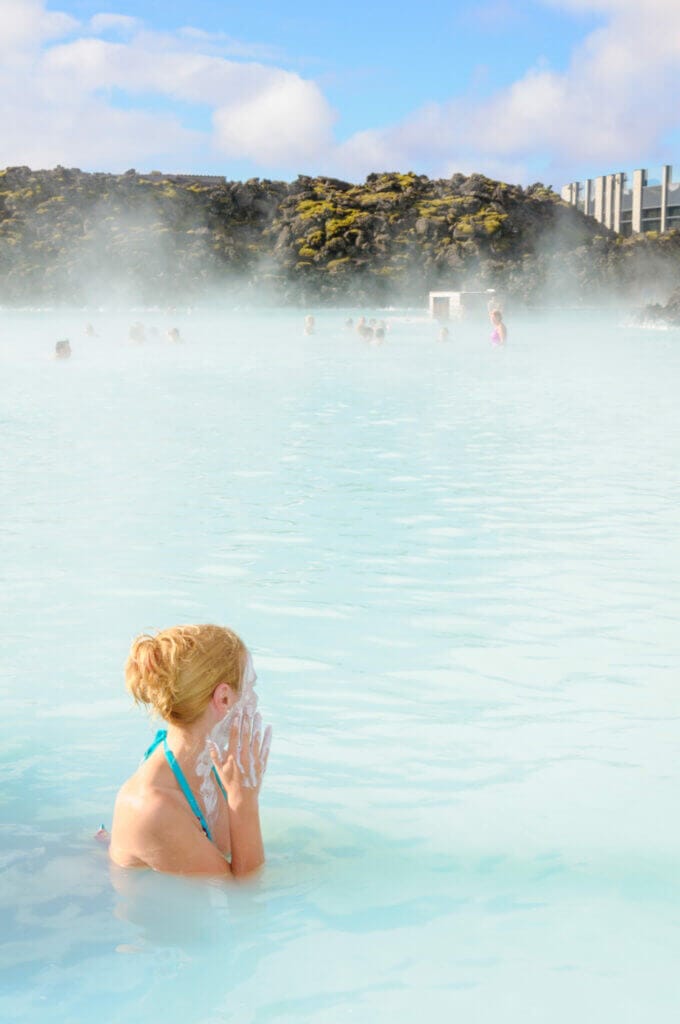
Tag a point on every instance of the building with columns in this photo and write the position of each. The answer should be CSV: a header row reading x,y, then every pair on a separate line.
x,y
628,207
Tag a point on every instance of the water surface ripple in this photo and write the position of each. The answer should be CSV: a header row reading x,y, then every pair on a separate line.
x,y
459,573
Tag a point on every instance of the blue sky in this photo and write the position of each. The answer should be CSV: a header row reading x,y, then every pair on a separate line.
x,y
545,90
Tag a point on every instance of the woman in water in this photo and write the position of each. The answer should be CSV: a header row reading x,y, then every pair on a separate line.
x,y
500,331
191,807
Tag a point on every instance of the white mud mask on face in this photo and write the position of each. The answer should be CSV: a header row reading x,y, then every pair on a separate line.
x,y
219,736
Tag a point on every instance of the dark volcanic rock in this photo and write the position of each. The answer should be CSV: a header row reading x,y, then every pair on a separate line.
x,y
70,236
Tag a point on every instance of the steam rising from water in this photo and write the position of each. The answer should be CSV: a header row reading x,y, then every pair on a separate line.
x,y
457,570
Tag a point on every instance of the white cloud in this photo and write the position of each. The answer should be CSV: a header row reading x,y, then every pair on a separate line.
x,y
285,119
118,23
612,105
25,25
61,110
222,43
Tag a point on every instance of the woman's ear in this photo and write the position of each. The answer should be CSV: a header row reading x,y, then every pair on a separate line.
x,y
223,698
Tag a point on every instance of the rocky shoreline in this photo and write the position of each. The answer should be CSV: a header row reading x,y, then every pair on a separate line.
x,y
657,314
74,237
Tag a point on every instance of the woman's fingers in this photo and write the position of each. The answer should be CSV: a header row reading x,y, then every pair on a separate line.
x,y
248,750
255,744
225,769
266,745
234,736
244,744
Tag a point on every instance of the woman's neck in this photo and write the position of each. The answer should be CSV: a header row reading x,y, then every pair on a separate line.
x,y
188,741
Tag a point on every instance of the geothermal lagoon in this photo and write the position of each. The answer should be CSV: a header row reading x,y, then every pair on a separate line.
x,y
458,571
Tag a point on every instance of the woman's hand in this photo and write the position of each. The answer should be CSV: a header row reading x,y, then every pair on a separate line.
x,y
244,764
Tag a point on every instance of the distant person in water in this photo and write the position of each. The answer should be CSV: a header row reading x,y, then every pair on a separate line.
x,y
378,335
309,324
191,807
499,333
90,331
62,350
136,334
349,324
173,335
443,334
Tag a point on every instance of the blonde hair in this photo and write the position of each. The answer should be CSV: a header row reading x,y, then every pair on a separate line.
x,y
176,671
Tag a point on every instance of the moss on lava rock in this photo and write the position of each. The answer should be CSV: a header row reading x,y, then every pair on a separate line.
x,y
76,237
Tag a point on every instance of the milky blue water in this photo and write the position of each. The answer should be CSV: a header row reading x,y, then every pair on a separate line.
x,y
458,570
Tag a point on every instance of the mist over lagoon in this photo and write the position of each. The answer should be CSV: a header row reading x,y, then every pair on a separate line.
x,y
339,359
456,567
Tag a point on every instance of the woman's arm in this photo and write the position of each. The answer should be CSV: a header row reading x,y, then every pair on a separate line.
x,y
247,849
167,838
241,773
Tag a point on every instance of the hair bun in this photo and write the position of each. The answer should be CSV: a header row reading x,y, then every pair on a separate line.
x,y
176,671
150,674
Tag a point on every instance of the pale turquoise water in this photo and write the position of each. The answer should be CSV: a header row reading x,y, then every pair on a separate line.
x,y
459,573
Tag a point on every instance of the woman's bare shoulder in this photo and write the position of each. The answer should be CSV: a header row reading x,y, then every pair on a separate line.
x,y
145,800
153,828
144,810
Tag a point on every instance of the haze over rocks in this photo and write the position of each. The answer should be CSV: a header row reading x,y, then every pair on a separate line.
x,y
67,236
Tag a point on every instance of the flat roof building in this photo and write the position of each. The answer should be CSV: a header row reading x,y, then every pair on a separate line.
x,y
628,208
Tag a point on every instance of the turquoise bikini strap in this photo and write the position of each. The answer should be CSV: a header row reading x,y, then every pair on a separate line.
x,y
162,737
158,738
184,786
218,780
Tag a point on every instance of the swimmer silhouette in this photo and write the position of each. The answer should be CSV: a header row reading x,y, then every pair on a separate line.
x,y
62,350
193,801
136,334
499,333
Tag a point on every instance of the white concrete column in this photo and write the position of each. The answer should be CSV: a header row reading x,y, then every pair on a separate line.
x,y
608,199
599,199
666,178
586,196
619,181
639,182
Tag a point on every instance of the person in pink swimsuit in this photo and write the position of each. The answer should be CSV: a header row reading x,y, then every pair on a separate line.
x,y
500,332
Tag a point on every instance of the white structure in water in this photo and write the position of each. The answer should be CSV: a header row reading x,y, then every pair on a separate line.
x,y
448,305
628,210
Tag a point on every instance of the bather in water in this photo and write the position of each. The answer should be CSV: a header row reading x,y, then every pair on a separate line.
x,y
191,807
136,334
499,333
62,350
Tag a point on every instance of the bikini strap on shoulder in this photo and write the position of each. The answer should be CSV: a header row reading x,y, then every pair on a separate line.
x,y
158,739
